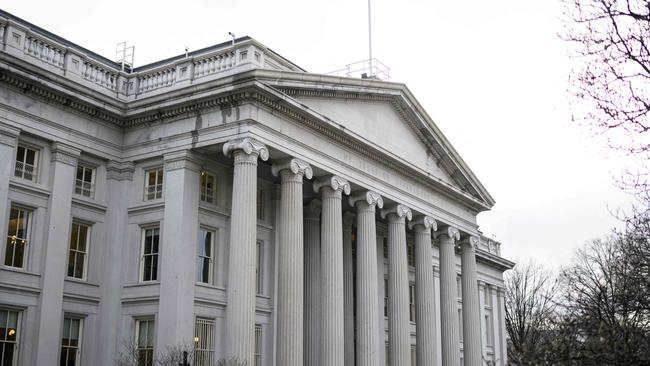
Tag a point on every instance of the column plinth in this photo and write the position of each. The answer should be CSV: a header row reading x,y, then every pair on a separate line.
x,y
448,298
240,312
424,291
291,262
399,336
368,345
332,325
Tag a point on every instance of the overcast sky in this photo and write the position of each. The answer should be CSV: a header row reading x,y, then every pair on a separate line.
x,y
492,75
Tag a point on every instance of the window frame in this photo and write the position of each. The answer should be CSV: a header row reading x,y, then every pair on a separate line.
x,y
159,188
93,177
143,236
79,338
86,254
18,329
204,195
211,258
138,349
259,267
26,240
412,302
208,347
35,166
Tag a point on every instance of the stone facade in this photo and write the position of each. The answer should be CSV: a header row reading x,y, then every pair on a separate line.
x,y
230,201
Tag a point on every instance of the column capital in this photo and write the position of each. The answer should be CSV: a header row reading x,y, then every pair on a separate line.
x,y
296,166
248,145
183,159
371,198
120,170
469,243
450,232
398,210
8,134
423,223
312,209
65,153
334,182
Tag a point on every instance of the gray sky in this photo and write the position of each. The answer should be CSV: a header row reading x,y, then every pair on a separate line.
x,y
492,75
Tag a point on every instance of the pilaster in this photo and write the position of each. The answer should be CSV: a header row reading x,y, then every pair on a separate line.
x,y
63,166
8,142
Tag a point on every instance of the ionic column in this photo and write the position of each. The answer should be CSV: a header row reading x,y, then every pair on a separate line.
x,y
471,311
448,298
332,325
291,262
367,310
348,288
399,337
240,312
312,298
424,291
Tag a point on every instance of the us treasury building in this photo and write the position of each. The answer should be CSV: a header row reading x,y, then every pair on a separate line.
x,y
229,202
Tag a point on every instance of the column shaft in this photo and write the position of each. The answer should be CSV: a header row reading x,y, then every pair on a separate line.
x,y
399,337
290,271
312,312
424,296
448,300
332,341
348,288
471,311
240,312
367,292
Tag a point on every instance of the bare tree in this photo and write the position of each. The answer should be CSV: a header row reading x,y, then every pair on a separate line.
x,y
611,83
529,312
171,356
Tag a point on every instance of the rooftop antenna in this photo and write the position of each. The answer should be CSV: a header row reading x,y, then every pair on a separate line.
x,y
186,50
233,38
124,55
369,41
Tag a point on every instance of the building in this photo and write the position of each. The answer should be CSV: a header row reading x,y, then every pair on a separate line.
x,y
231,201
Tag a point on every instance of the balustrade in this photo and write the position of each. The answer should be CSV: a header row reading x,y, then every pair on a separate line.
x,y
214,64
99,75
44,51
156,80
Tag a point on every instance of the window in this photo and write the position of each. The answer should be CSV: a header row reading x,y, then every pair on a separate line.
x,y
489,329
258,345
9,333
153,184
412,301
208,187
261,207
410,254
79,241
149,259
85,182
385,297
26,163
205,256
71,342
144,336
385,247
258,268
17,237
204,342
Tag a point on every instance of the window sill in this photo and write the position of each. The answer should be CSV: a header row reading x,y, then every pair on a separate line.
x,y
80,281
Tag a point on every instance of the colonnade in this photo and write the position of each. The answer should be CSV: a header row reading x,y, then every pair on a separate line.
x,y
311,293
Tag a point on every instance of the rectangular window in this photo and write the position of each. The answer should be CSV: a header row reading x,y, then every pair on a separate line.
x,y
78,253
144,336
17,237
26,163
258,268
385,297
410,254
153,186
71,342
489,329
85,181
205,257
258,345
149,258
208,182
204,342
261,207
9,333
412,301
